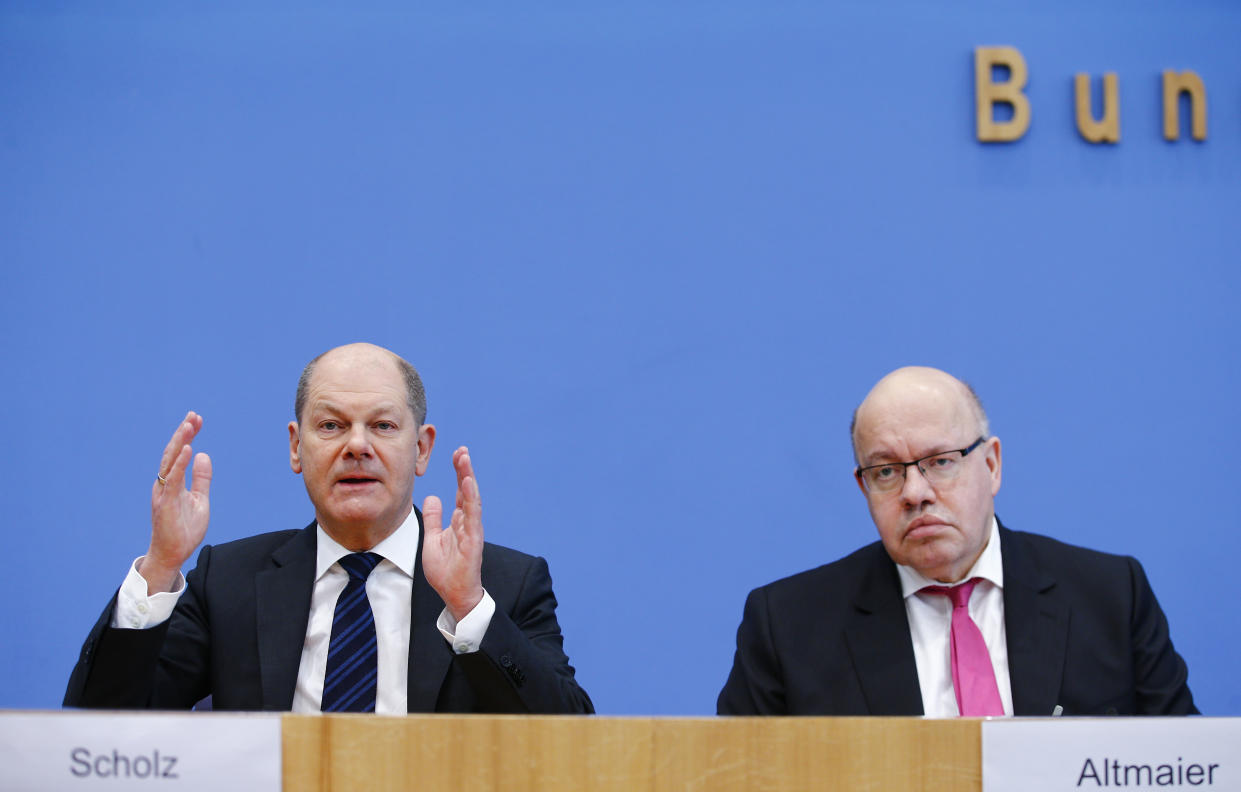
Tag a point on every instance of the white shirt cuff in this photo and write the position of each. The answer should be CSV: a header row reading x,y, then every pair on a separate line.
x,y
135,610
466,635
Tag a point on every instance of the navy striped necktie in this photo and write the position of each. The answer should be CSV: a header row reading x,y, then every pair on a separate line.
x,y
349,684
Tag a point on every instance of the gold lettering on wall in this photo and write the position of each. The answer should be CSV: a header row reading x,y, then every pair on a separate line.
x,y
1106,129
987,94
1174,84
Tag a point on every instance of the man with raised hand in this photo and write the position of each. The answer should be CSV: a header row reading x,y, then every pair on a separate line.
x,y
374,607
951,613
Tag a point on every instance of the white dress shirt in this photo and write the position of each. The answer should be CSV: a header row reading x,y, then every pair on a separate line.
x,y
930,622
390,591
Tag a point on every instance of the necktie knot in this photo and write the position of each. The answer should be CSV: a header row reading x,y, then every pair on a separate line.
x,y
959,595
360,565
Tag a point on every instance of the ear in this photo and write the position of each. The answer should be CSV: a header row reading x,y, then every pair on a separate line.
x,y
426,441
993,463
295,440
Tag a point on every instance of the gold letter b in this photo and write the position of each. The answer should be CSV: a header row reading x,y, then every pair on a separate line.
x,y
987,94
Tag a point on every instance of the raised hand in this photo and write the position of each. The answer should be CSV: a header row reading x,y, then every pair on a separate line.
x,y
452,557
178,514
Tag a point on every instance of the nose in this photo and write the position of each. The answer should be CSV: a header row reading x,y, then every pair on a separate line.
x,y
358,444
916,490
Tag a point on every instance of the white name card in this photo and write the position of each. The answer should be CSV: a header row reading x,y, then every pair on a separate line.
x,y
1113,754
112,750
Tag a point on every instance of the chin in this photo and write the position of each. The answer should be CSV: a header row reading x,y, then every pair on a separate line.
x,y
923,560
355,518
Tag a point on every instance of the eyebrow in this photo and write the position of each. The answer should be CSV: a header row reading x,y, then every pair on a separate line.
x,y
883,456
331,407
877,458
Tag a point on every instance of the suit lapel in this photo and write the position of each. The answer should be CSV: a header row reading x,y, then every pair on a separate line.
x,y
429,654
283,610
880,646
1037,625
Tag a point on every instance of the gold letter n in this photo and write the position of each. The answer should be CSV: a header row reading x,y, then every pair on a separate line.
x,y
1173,86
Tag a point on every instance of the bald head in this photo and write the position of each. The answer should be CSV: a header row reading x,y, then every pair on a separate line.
x,y
363,355
913,389
934,518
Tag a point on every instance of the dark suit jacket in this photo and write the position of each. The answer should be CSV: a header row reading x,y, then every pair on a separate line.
x,y
1084,631
237,633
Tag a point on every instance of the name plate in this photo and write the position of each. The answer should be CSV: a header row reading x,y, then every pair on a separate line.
x,y
112,750
1052,754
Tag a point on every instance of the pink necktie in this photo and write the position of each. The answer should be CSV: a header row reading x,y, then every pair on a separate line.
x,y
973,678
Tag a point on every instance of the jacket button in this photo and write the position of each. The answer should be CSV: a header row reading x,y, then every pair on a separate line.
x,y
506,661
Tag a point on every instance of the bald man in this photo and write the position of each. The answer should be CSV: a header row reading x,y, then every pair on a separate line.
x,y
373,607
950,612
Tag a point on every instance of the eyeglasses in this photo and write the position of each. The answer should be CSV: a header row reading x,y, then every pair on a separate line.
x,y
936,468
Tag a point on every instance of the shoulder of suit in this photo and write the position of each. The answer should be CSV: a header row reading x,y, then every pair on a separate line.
x,y
259,545
266,543
495,553
844,573
1052,553
507,573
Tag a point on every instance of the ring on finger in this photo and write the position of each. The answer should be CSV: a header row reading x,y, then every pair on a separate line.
x,y
161,479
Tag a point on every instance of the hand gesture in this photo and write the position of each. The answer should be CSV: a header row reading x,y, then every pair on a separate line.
x,y
452,557
178,515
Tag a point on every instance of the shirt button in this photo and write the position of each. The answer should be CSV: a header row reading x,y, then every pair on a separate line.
x,y
142,607
133,622
462,648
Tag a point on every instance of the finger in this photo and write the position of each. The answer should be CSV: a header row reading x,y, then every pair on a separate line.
x,y
176,474
472,521
432,516
462,462
174,478
466,490
195,422
184,434
473,504
174,445
200,475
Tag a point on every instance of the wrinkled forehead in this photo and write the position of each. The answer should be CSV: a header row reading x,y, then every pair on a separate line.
x,y
913,421
359,372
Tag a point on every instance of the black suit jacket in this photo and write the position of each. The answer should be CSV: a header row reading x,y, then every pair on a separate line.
x,y
1084,632
237,633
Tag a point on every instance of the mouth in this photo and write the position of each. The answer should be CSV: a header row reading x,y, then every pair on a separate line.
x,y
924,527
356,482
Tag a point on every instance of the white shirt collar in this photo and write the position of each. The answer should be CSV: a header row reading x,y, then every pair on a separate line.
x,y
400,548
989,566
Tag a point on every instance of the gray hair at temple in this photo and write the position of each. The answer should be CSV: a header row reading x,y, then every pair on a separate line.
x,y
415,394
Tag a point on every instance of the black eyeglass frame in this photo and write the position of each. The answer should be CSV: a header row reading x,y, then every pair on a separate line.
x,y
857,472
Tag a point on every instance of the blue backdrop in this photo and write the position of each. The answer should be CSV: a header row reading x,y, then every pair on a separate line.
x,y
648,257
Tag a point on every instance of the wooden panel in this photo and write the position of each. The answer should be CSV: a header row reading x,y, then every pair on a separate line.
x,y
552,754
